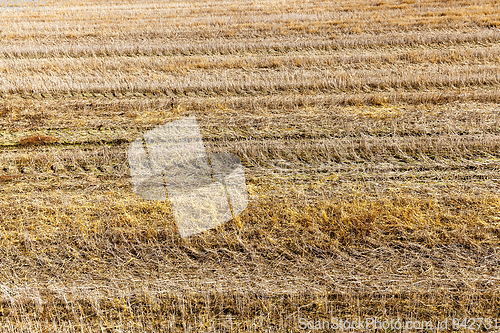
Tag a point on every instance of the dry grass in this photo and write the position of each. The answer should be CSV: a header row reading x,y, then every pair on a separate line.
x,y
369,132
37,140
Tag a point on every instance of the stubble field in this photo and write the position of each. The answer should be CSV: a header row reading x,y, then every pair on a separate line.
x,y
369,132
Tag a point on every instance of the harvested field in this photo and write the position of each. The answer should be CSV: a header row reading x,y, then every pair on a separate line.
x,y
369,132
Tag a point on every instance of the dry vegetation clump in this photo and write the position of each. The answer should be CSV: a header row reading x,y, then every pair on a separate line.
x,y
369,132
5,178
37,140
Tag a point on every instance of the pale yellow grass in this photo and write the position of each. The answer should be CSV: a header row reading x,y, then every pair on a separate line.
x,y
368,131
